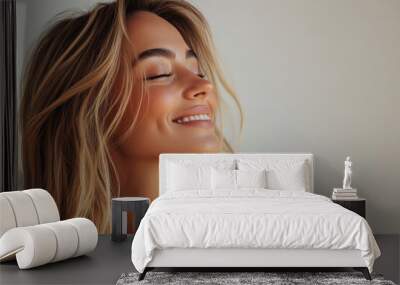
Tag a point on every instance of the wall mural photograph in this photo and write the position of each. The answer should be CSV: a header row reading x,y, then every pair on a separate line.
x,y
199,125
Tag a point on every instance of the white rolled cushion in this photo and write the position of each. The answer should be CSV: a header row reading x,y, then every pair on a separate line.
x,y
87,235
33,245
251,178
23,208
223,179
67,240
45,243
45,205
184,177
26,208
7,218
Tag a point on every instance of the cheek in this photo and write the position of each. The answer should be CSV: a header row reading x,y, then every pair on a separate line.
x,y
213,102
152,110
154,132
153,114
159,104
153,126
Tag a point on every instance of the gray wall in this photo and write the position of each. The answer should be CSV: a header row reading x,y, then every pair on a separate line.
x,y
313,76
322,77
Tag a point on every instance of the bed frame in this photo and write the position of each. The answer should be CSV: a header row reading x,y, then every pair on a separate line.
x,y
248,259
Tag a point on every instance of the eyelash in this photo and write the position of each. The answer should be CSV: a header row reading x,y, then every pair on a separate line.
x,y
167,75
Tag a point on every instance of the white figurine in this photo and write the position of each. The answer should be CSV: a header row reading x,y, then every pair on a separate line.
x,y
347,174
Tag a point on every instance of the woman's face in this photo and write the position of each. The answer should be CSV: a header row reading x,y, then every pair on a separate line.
x,y
179,113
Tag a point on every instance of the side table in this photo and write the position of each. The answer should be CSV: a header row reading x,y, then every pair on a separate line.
x,y
357,205
120,206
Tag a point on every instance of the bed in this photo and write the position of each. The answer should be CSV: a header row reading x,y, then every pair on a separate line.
x,y
247,211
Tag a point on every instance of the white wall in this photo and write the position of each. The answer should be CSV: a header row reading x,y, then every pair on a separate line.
x,y
322,77
313,76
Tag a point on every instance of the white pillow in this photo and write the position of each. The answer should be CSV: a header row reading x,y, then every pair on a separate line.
x,y
282,174
188,177
287,179
223,179
251,178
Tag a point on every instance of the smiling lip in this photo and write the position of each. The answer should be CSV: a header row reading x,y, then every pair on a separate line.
x,y
200,124
197,116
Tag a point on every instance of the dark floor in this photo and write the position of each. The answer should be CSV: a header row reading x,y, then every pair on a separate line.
x,y
389,262
106,264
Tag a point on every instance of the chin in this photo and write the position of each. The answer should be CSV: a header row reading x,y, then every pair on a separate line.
x,y
206,147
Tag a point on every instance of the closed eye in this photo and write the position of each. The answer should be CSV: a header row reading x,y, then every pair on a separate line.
x,y
168,75
158,76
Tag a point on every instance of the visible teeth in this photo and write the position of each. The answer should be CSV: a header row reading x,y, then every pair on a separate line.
x,y
200,117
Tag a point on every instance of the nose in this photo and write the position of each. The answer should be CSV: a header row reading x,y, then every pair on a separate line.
x,y
197,88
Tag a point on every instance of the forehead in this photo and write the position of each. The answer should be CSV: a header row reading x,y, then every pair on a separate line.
x,y
147,31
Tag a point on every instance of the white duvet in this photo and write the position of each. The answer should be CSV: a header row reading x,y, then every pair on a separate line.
x,y
250,218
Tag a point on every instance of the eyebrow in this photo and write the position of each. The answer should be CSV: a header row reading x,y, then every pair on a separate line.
x,y
164,53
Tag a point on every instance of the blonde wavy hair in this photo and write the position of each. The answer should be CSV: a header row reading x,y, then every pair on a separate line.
x,y
68,116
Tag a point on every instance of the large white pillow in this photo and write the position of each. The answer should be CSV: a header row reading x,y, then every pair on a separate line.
x,y
281,174
223,179
188,177
254,178
287,179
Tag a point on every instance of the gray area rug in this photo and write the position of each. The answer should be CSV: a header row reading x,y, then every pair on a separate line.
x,y
225,278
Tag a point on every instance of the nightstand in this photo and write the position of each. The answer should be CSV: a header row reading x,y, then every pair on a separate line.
x,y
357,205
120,206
